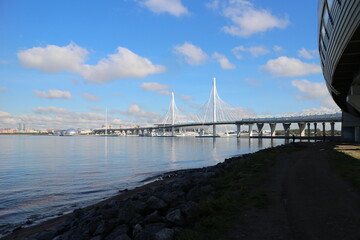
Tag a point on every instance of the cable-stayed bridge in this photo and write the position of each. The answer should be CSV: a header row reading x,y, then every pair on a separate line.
x,y
218,114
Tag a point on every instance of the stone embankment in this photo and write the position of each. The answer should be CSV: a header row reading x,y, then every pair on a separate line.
x,y
157,211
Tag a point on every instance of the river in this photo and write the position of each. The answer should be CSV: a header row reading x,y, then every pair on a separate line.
x,y
45,176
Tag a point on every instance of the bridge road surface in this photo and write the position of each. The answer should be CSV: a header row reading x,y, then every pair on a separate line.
x,y
308,201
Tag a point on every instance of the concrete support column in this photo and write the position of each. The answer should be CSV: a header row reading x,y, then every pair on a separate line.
x,y
309,130
315,130
172,131
323,125
250,130
272,129
332,124
302,129
214,130
238,130
260,127
287,129
350,128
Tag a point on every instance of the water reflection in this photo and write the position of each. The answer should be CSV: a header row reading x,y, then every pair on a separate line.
x,y
58,169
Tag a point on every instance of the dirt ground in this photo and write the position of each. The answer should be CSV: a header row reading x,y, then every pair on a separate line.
x,y
308,201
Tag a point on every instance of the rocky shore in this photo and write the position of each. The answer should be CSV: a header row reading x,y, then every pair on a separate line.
x,y
291,191
159,210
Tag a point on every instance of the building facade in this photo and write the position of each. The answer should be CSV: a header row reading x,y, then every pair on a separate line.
x,y
339,49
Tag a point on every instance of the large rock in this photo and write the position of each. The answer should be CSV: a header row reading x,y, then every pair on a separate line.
x,y
144,235
122,237
153,217
118,232
155,203
165,234
189,209
175,217
155,227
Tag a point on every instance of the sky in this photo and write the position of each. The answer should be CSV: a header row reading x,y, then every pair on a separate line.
x,y
66,63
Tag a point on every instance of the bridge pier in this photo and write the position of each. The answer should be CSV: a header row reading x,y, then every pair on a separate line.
x,y
238,130
323,124
302,129
309,130
260,127
250,130
332,124
214,130
272,129
287,129
315,130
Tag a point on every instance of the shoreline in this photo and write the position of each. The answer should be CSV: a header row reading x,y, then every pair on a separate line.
x,y
241,196
150,183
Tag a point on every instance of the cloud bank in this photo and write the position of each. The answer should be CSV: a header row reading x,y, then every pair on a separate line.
x,y
223,61
71,58
290,67
53,94
247,20
173,7
192,54
156,87
313,91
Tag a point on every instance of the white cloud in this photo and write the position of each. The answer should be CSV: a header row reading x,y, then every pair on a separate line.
x,y
243,112
173,7
277,48
213,5
313,91
290,67
140,115
55,117
90,97
156,87
307,54
123,64
223,61
255,51
50,110
4,114
53,94
53,58
3,89
248,20
192,54
7,119
252,82
320,110
186,97
94,108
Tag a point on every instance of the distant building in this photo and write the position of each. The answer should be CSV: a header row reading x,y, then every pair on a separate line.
x,y
339,49
8,130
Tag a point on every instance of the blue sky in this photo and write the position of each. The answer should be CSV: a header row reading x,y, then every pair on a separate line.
x,y
62,63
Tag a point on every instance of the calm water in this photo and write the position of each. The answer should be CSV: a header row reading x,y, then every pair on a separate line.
x,y
45,176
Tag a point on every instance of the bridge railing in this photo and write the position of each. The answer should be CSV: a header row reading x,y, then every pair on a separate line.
x,y
328,117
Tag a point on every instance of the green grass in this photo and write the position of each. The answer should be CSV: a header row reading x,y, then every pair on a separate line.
x,y
347,166
236,190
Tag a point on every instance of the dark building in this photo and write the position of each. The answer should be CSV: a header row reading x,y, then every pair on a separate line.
x,y
339,49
